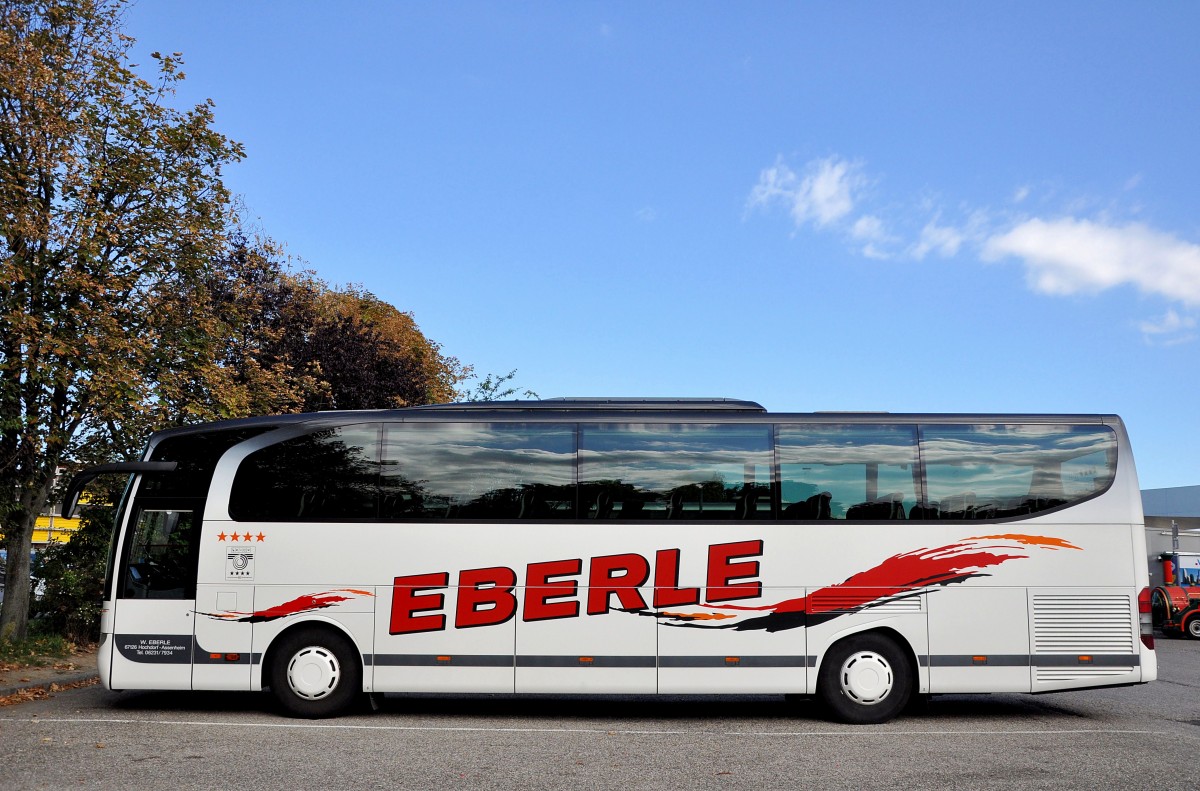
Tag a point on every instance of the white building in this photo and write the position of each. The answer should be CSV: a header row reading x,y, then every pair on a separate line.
x,y
1172,527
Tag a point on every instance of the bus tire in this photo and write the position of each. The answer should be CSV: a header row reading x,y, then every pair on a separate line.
x,y
1193,627
865,679
315,672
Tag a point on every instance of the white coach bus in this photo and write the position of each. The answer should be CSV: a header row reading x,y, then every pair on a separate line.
x,y
657,546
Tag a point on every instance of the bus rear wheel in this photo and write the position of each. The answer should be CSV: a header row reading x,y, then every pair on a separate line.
x,y
315,673
865,679
1193,627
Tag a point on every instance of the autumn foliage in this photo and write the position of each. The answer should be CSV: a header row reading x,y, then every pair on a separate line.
x,y
129,298
300,345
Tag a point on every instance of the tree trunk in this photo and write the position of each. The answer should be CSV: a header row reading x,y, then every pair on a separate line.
x,y
14,613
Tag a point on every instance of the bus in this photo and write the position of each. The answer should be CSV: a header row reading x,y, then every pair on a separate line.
x,y
631,546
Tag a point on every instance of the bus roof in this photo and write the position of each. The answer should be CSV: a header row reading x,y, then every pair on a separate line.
x,y
647,404
618,410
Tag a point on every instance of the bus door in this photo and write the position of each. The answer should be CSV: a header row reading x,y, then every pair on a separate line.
x,y
222,657
153,618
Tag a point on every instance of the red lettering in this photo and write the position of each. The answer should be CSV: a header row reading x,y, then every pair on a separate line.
x,y
617,574
407,602
485,597
667,592
540,588
723,571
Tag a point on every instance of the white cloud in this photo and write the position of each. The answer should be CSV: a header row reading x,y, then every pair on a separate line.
x,y
1170,323
1082,251
1170,330
646,214
871,230
826,193
942,239
874,251
1070,255
775,183
868,227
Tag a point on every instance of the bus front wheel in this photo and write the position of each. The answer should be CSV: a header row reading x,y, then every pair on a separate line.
x,y
865,679
1193,627
315,673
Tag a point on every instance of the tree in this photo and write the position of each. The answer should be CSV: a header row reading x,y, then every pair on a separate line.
x,y
494,387
70,575
112,209
369,354
299,345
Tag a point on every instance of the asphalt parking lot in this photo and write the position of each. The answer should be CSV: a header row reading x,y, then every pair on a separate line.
x,y
1145,737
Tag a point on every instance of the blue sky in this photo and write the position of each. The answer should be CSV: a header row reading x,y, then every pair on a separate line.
x,y
819,206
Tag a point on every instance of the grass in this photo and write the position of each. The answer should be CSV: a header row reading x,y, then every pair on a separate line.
x,y
35,651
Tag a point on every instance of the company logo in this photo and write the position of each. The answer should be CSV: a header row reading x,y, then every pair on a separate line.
x,y
239,563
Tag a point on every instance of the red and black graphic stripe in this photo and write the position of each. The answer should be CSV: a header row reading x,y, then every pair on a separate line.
x,y
900,576
301,604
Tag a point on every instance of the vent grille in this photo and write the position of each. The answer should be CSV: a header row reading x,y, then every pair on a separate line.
x,y
1052,674
855,599
1081,624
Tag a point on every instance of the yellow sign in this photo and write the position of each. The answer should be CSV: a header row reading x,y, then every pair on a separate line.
x,y
54,529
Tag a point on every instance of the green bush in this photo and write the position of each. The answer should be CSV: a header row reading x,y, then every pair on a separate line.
x,y
69,580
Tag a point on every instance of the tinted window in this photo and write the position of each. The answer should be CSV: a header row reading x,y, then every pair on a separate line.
x,y
197,456
848,472
675,471
994,471
160,564
331,474
478,471
160,561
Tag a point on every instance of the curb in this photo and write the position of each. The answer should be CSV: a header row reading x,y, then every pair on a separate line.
x,y
63,680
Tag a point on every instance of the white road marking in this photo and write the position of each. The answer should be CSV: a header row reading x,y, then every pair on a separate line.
x,y
857,731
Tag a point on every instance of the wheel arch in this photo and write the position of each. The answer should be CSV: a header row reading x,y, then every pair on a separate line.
x,y
1187,623
889,632
315,622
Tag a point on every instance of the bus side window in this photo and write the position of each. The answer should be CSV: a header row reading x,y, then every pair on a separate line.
x,y
328,475
851,472
1002,471
494,471
675,471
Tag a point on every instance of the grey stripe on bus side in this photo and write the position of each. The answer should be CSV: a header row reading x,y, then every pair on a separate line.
x,y
505,660
438,660
172,649
679,662
969,660
202,657
1093,660
737,661
1031,660
586,661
